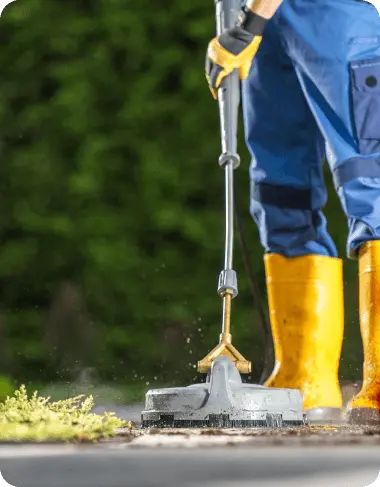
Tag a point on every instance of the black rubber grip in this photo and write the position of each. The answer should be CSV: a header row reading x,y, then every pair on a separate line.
x,y
251,22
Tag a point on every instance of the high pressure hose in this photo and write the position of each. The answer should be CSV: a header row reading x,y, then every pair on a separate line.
x,y
255,290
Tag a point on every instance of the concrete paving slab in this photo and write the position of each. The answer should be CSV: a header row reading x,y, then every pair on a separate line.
x,y
121,465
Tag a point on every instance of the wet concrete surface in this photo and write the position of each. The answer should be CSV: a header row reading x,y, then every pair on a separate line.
x,y
122,465
314,456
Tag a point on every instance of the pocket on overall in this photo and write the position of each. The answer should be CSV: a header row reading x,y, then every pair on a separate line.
x,y
365,91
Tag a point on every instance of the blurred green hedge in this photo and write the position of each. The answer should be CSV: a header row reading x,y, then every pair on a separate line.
x,y
111,211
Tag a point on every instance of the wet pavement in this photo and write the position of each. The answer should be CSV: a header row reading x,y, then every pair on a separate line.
x,y
316,456
125,465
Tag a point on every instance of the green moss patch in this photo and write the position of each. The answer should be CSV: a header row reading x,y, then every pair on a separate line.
x,y
35,418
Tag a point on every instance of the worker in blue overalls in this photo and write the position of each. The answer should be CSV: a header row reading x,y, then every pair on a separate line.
x,y
311,87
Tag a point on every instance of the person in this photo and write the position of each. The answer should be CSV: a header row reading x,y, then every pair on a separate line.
x,y
310,73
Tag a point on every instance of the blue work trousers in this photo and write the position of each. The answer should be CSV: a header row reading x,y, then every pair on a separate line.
x,y
314,90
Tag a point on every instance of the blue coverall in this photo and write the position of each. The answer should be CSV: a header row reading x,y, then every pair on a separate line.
x,y
314,90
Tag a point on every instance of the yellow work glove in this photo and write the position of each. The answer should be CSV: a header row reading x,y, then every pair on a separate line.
x,y
234,49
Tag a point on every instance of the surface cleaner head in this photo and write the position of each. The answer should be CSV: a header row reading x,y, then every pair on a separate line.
x,y
222,402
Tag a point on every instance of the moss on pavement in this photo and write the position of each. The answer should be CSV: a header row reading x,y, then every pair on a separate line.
x,y
34,418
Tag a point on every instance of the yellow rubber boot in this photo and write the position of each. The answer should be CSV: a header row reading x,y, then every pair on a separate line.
x,y
306,307
365,407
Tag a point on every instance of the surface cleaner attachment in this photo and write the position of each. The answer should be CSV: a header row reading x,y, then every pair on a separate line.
x,y
223,402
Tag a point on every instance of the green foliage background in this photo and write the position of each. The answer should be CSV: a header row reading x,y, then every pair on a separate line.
x,y
111,199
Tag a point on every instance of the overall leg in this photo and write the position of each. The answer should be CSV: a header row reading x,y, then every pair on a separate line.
x,y
304,277
287,187
338,64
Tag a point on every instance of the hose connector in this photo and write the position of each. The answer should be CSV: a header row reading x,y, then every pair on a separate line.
x,y
228,157
228,283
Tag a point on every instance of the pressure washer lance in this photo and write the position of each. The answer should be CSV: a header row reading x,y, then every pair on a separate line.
x,y
228,99
223,401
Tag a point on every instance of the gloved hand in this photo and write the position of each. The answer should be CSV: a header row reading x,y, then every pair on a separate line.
x,y
234,49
